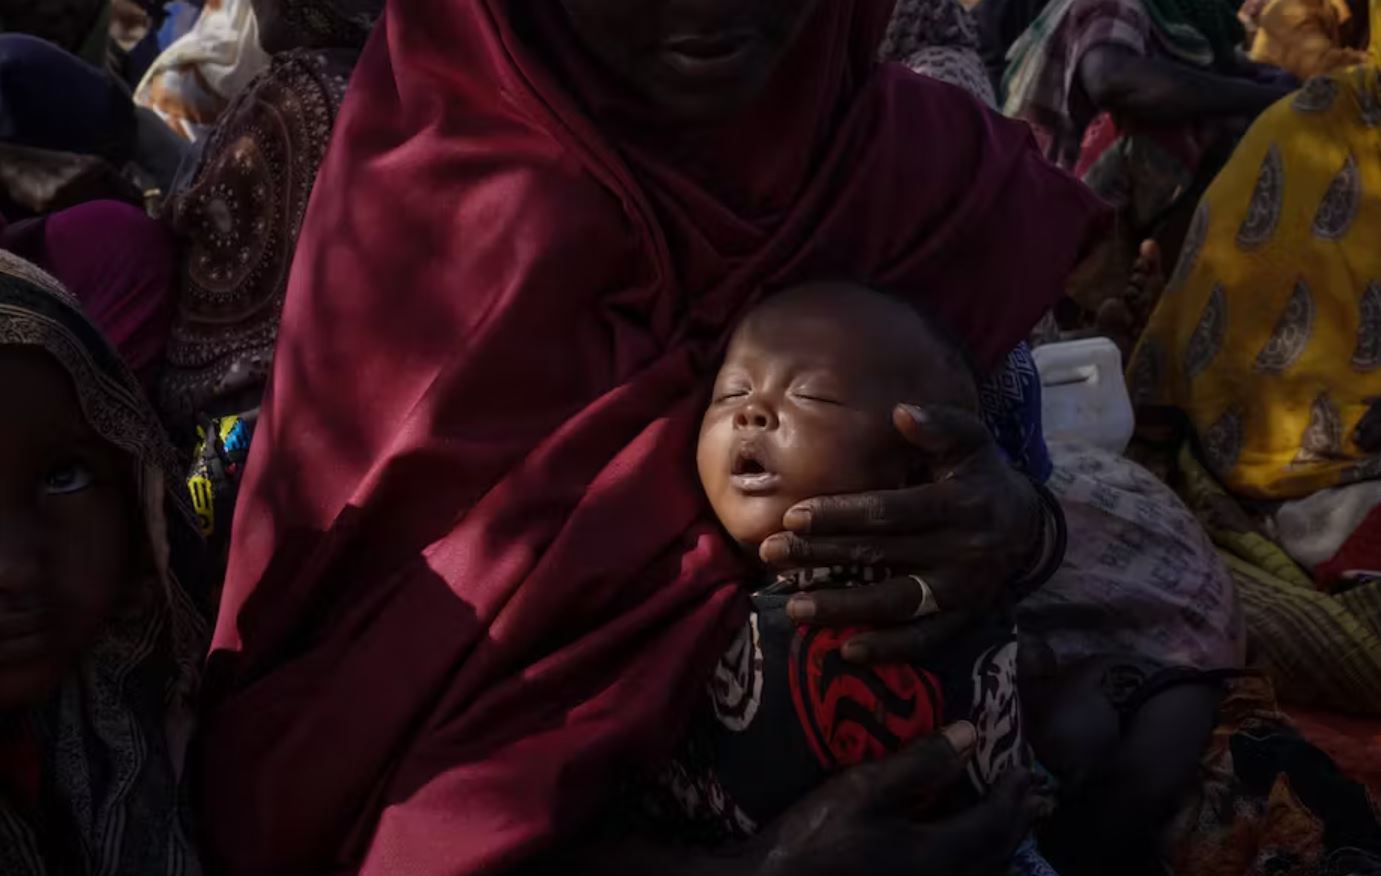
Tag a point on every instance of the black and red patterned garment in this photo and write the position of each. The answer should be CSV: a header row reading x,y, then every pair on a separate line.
x,y
784,710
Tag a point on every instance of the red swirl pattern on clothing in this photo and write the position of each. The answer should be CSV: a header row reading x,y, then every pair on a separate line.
x,y
852,714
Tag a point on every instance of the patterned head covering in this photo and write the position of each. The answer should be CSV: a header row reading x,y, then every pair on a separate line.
x,y
113,736
919,24
330,24
939,39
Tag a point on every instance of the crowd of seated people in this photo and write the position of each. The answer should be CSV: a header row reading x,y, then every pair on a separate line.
x,y
470,436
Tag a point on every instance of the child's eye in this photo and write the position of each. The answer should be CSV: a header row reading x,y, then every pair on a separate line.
x,y
68,478
818,398
730,394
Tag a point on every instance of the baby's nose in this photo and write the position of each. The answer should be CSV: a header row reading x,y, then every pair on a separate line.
x,y
755,416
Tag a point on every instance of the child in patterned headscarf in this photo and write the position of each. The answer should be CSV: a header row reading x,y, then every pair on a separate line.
x,y
99,641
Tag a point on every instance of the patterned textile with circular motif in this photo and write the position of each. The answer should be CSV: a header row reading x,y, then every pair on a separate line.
x,y
239,222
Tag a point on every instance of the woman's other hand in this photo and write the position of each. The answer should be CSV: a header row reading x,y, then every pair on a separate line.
x,y
873,819
968,534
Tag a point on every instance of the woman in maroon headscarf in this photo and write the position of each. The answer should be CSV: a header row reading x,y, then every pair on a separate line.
x,y
474,579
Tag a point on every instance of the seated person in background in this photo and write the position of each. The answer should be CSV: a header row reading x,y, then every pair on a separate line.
x,y
81,27
100,644
1309,38
53,159
1123,737
1140,99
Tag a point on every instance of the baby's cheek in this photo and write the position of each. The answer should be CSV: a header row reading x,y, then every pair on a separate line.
x,y
858,461
753,520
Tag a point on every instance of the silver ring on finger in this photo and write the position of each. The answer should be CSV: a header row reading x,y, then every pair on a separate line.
x,y
929,605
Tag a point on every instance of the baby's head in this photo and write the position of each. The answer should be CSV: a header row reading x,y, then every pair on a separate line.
x,y
803,405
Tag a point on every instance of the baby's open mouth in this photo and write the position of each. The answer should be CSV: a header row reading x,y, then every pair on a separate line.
x,y
750,474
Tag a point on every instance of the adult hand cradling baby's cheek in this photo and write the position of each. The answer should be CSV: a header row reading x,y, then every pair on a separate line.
x,y
966,533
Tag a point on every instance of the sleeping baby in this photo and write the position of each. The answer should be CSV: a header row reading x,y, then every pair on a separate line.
x,y
803,408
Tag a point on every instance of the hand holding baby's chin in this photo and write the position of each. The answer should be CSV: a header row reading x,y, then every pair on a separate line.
x,y
966,534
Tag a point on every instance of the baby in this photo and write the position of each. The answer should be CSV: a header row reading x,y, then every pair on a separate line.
x,y
802,408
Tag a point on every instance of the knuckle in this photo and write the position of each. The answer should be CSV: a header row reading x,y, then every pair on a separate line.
x,y
861,781
875,510
798,549
827,604
973,502
984,541
891,648
866,553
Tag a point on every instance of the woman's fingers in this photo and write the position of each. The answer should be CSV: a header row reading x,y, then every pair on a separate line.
x,y
938,548
918,773
912,643
887,603
915,509
946,436
983,839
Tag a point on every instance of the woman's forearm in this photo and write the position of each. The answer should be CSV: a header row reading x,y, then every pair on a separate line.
x,y
1162,92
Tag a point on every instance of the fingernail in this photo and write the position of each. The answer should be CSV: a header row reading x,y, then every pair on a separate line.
x,y
962,737
856,652
797,520
800,609
917,414
771,549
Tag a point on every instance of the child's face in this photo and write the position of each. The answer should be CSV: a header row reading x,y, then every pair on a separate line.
x,y
802,408
67,524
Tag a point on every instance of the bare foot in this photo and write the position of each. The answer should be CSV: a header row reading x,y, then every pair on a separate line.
x,y
1124,318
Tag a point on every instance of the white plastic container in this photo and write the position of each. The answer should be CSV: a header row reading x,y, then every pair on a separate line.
x,y
1084,395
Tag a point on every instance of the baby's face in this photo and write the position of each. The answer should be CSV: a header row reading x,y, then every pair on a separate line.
x,y
802,408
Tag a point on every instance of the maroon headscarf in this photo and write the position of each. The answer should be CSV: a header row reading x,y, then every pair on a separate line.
x,y
118,263
474,576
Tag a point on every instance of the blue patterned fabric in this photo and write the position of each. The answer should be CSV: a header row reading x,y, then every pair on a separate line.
x,y
1028,861
1011,406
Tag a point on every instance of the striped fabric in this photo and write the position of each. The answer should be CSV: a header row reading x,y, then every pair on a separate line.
x,y
1041,85
1321,650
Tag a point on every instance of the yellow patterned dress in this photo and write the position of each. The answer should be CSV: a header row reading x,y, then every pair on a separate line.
x,y
1268,338
1269,333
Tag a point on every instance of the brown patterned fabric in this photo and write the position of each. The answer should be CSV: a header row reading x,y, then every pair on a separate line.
x,y
239,220
1270,803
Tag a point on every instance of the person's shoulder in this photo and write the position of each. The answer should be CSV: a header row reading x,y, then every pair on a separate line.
x,y
908,85
942,120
